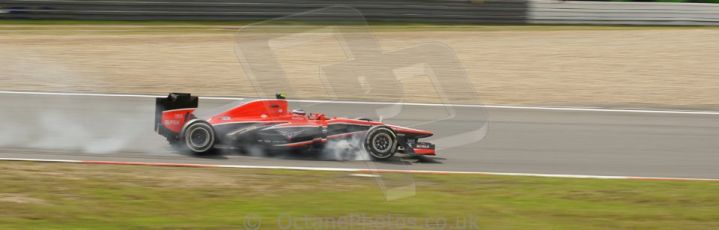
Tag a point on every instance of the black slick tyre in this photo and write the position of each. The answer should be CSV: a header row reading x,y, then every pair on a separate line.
x,y
380,143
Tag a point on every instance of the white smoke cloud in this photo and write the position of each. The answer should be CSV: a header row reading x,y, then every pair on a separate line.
x,y
345,150
59,130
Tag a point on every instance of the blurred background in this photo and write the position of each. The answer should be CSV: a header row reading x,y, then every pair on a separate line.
x,y
518,52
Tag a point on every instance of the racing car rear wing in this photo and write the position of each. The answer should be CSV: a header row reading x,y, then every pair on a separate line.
x,y
173,102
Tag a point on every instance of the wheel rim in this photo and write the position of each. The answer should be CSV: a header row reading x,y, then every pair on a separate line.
x,y
382,143
199,138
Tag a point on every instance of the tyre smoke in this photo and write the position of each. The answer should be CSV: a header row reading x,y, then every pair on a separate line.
x,y
345,150
63,123
60,130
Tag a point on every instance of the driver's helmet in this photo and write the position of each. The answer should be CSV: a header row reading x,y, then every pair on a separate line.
x,y
298,112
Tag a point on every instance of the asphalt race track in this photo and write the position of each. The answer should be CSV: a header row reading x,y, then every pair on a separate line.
x,y
487,139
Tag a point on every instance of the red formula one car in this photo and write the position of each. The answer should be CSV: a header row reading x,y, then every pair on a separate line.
x,y
268,125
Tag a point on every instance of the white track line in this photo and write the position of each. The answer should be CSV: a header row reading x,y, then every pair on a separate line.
x,y
40,160
106,95
76,94
356,170
576,109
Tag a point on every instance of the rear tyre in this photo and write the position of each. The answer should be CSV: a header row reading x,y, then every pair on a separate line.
x,y
198,137
381,143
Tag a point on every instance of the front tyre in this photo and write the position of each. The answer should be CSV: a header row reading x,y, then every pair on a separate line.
x,y
380,142
198,136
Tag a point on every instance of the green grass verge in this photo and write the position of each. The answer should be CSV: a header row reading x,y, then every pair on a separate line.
x,y
74,196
